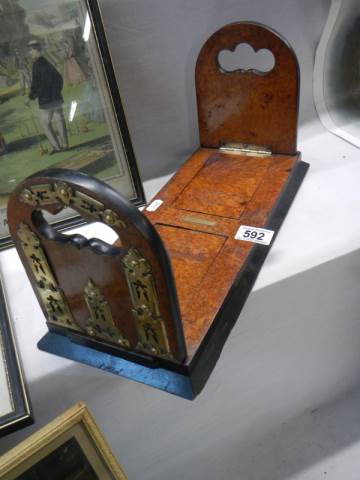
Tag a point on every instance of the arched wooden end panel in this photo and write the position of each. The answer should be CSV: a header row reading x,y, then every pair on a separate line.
x,y
248,106
123,295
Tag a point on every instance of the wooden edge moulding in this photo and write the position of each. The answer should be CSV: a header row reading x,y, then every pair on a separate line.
x,y
158,305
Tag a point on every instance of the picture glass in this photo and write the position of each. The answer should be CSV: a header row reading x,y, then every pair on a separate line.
x,y
56,108
71,456
5,395
67,462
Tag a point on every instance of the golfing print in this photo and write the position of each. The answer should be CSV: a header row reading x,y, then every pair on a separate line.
x,y
56,108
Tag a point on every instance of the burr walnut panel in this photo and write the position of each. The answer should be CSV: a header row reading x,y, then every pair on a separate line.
x,y
191,253
208,193
246,105
206,264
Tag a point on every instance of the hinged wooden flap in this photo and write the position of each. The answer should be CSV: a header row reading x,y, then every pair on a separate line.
x,y
248,106
122,294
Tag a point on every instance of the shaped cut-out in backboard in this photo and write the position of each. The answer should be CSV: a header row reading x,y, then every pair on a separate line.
x,y
243,106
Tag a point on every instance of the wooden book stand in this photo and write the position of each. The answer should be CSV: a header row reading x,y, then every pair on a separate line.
x,y
165,296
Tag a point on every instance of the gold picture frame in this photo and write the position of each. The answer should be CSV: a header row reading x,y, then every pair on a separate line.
x,y
73,443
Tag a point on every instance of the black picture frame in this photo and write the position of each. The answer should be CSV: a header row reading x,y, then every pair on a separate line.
x,y
21,414
119,114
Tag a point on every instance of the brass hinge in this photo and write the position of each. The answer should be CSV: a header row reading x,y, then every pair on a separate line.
x,y
245,149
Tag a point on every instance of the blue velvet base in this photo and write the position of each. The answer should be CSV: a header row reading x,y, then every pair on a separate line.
x,y
160,378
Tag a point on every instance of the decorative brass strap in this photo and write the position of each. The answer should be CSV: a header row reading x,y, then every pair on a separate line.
x,y
101,323
151,330
150,326
61,192
52,297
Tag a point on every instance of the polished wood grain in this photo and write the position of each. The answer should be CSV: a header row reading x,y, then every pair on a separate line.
x,y
201,295
74,266
208,193
192,253
248,106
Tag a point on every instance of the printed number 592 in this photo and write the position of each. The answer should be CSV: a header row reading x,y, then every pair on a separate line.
x,y
253,235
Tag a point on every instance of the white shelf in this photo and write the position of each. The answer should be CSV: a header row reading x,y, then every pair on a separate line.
x,y
322,222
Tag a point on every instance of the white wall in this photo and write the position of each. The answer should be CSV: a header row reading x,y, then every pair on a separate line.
x,y
154,46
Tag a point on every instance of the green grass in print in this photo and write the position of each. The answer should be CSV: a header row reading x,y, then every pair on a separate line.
x,y
27,149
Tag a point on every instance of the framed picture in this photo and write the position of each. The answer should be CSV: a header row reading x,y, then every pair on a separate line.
x,y
337,71
59,101
70,447
14,403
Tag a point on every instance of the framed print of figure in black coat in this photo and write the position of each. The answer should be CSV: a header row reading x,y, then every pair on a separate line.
x,y
59,101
